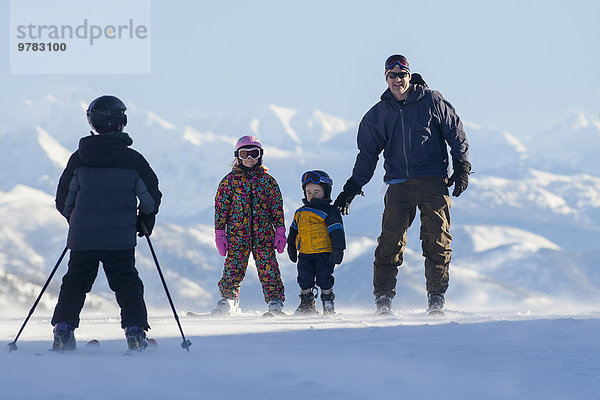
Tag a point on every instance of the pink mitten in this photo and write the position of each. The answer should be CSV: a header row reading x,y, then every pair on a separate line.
x,y
279,241
221,241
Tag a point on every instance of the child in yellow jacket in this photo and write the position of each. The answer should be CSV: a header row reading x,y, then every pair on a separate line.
x,y
317,233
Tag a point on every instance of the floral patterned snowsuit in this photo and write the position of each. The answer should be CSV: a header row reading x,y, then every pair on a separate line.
x,y
249,206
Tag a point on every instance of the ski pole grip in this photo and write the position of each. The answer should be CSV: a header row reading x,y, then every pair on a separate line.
x,y
144,229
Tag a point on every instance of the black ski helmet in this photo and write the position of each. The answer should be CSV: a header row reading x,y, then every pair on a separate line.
x,y
320,178
107,114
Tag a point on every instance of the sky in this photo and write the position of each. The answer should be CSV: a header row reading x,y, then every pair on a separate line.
x,y
522,67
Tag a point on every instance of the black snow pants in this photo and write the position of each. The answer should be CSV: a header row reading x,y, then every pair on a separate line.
x,y
123,279
315,269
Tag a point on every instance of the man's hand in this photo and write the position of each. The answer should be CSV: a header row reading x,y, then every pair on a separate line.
x,y
348,193
460,177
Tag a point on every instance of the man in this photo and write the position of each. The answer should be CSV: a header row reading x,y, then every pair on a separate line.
x,y
107,192
412,126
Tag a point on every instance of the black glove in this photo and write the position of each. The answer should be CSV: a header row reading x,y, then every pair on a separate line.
x,y
348,193
417,79
145,224
336,256
292,253
460,176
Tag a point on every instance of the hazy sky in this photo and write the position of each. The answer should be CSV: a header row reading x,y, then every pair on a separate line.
x,y
520,66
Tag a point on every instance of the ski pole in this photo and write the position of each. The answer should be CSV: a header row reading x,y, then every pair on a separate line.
x,y
186,343
13,345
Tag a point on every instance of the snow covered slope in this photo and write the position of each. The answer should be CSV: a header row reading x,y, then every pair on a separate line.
x,y
526,230
352,356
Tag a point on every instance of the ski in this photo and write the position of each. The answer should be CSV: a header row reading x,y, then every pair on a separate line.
x,y
385,314
152,344
215,315
436,313
273,314
307,314
197,315
93,344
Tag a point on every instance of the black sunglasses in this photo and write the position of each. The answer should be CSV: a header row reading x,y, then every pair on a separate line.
x,y
394,75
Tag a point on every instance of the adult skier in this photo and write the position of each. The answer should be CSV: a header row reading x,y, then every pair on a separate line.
x,y
412,125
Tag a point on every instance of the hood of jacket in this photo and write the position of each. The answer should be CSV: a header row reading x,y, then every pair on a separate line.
x,y
104,149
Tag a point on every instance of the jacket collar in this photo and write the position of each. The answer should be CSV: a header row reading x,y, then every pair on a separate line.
x,y
316,202
416,93
259,169
104,149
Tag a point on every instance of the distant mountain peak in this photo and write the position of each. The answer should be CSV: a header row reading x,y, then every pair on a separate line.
x,y
331,125
285,115
55,151
154,118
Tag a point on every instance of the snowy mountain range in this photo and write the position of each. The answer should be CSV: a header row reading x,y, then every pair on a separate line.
x,y
525,232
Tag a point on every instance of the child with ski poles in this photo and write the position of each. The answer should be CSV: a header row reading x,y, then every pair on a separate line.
x,y
106,192
249,219
317,233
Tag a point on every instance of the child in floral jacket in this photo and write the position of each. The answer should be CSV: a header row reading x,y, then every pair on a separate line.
x,y
249,218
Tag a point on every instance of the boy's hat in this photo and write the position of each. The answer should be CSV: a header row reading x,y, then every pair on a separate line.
x,y
320,178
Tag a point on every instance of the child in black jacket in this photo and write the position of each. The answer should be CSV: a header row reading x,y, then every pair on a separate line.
x,y
107,193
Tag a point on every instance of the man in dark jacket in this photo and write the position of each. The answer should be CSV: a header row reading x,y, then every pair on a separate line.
x,y
412,125
107,193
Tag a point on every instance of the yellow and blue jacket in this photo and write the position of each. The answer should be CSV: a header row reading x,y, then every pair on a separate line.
x,y
317,228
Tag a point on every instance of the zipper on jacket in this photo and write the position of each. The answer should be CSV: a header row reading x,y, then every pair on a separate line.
x,y
404,140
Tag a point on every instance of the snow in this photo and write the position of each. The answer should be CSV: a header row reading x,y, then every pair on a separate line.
x,y
354,355
200,138
57,153
285,115
489,237
331,125
524,270
155,118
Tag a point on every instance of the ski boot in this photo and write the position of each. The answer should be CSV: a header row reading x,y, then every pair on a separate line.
x,y
384,305
275,307
64,338
307,303
226,306
327,298
136,338
435,303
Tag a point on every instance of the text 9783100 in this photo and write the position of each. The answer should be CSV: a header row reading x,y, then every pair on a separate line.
x,y
49,46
